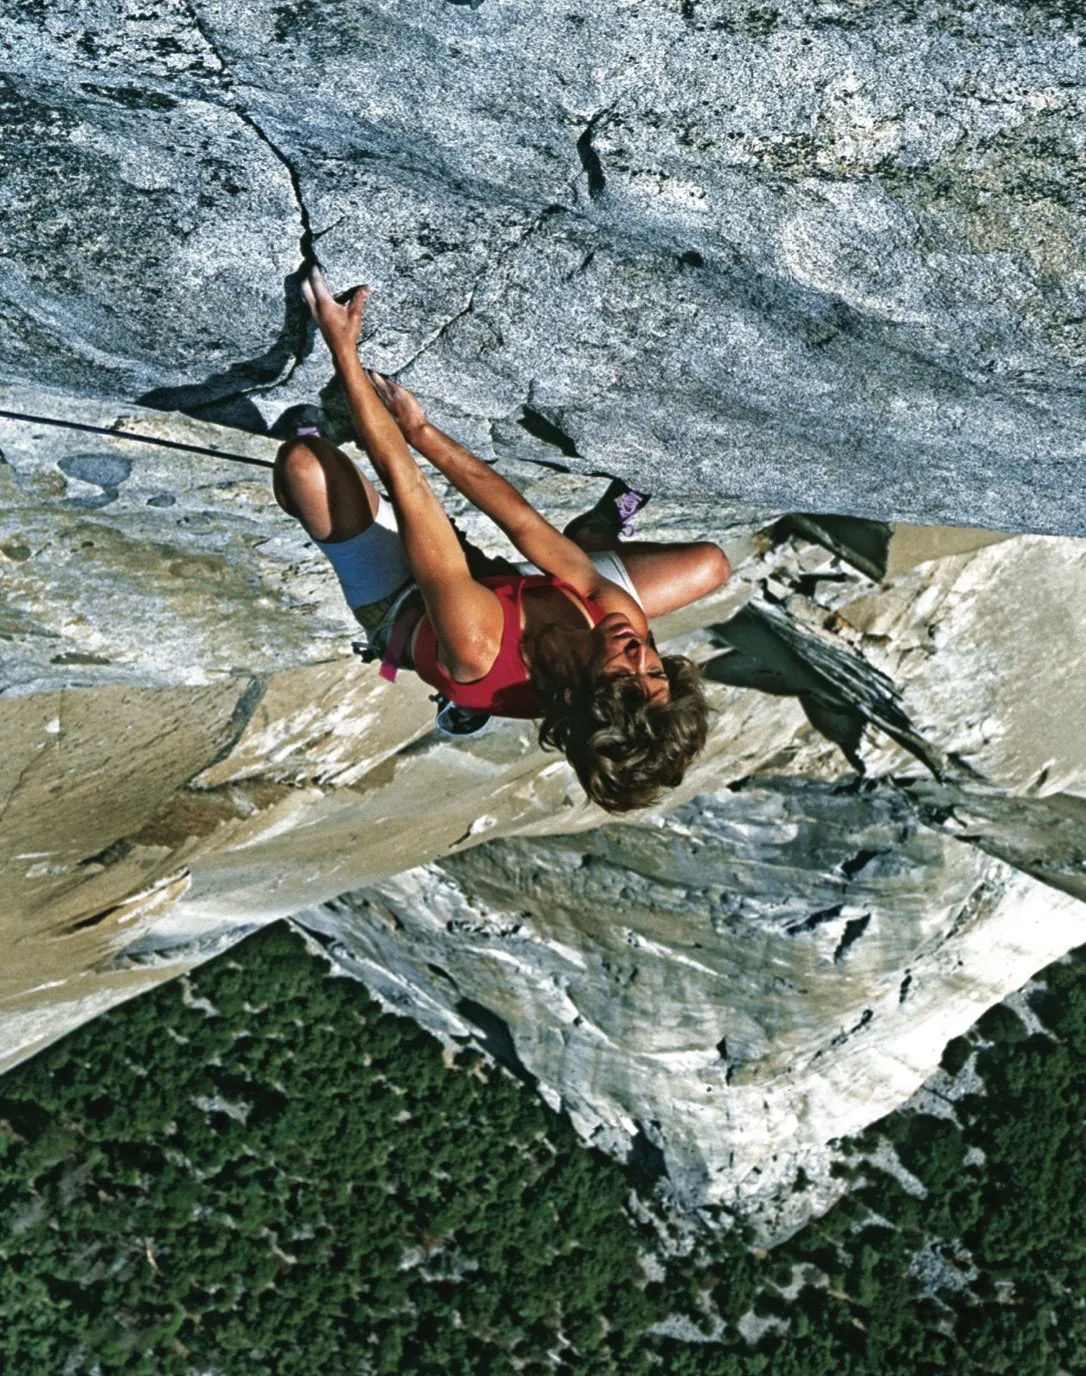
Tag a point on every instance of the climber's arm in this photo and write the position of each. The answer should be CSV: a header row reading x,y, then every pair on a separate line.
x,y
467,617
531,533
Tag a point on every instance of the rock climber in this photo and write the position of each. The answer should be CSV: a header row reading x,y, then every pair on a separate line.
x,y
564,638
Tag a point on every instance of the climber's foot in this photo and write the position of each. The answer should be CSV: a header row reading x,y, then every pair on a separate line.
x,y
610,520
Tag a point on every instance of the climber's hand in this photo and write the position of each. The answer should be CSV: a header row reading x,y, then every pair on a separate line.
x,y
400,403
339,318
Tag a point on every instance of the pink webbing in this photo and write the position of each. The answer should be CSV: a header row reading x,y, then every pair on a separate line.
x,y
397,641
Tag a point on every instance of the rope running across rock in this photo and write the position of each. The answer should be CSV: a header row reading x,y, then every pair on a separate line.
x,y
135,436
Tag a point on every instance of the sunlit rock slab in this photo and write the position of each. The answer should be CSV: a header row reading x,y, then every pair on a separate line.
x,y
720,992
190,750
989,647
124,562
181,714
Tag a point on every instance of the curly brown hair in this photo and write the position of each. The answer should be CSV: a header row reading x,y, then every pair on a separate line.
x,y
625,750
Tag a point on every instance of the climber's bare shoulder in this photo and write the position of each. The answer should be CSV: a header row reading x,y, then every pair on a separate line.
x,y
468,622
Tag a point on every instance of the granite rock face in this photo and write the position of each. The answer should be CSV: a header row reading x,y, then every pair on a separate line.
x,y
181,715
718,992
886,833
811,256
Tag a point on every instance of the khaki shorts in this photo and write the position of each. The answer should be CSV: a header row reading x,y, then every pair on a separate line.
x,y
378,618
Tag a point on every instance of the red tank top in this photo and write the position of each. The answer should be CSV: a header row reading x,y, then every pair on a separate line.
x,y
506,691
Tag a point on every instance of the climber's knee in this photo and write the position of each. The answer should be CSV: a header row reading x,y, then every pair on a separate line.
x,y
296,464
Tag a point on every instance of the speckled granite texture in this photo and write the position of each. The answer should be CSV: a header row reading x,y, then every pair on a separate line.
x,y
801,258
817,255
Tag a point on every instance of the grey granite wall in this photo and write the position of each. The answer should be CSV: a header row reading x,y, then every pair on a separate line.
x,y
816,255
810,257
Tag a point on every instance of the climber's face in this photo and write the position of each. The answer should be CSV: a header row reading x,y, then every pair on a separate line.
x,y
622,653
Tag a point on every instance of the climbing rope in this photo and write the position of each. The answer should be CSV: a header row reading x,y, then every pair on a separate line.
x,y
133,435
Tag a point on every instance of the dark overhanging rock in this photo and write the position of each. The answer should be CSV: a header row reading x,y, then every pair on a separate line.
x,y
763,258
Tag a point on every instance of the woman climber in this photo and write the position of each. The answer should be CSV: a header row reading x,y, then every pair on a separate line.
x,y
564,639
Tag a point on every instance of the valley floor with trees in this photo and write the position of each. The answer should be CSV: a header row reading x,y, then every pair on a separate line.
x,y
257,1171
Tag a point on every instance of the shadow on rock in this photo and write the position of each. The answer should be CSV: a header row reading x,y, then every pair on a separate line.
x,y
494,1035
838,690
225,397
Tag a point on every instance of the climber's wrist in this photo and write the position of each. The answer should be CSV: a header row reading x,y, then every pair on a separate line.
x,y
421,435
344,352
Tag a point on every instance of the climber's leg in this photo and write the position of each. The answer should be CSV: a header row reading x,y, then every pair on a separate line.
x,y
668,577
665,576
348,520
317,483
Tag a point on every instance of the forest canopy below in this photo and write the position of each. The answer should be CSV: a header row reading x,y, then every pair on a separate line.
x,y
256,1170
